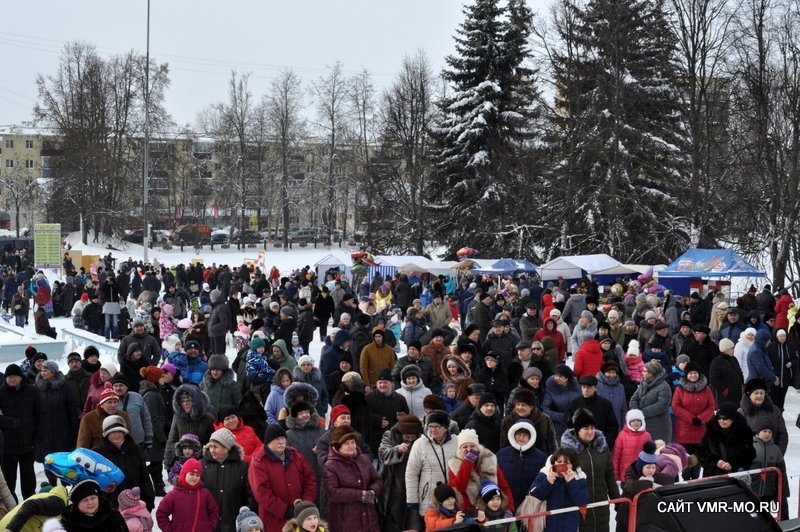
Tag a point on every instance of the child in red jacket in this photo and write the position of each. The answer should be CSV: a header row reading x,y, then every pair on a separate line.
x,y
189,506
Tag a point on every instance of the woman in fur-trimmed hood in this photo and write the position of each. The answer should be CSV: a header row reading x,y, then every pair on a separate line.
x,y
192,416
469,467
457,371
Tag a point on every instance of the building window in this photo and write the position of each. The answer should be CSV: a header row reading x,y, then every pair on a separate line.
x,y
9,143
29,144
9,163
29,164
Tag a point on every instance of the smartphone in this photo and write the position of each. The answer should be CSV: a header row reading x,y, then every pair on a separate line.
x,y
470,514
560,468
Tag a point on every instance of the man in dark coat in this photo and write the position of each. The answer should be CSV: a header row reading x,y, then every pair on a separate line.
x,y
481,315
464,412
219,323
151,351
119,448
77,378
703,350
725,376
601,408
323,312
501,343
19,403
384,405
346,305
414,356
765,301
360,337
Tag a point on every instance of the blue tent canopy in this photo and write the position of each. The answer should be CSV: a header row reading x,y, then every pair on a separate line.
x,y
697,262
508,267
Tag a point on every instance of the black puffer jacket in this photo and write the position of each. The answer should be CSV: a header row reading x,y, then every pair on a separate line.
x,y
227,482
130,459
57,417
20,406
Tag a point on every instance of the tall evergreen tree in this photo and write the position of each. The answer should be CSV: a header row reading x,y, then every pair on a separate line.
x,y
484,123
618,140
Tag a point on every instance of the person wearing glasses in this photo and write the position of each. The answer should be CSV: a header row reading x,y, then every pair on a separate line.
x,y
727,445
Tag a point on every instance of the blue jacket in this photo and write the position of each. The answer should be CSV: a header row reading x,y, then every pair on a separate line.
x,y
10,288
196,368
561,494
274,403
662,357
614,391
556,401
520,463
759,365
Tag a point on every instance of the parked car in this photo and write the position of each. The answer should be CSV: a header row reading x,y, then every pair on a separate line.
x,y
247,237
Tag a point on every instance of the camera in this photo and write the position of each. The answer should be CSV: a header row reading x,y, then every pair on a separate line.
x,y
560,468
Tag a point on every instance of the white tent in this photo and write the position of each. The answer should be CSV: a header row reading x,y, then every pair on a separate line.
x,y
335,259
573,267
421,264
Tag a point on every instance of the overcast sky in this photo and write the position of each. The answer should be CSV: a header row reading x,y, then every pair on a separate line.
x,y
203,40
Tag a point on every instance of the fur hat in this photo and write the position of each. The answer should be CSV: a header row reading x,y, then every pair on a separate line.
x,y
342,434
440,417
434,402
218,362
475,388
762,422
467,436
727,409
564,370
303,510
753,385
654,367
409,424
409,370
701,328
83,489
151,373
525,396
226,411
692,366
190,441
487,398
353,382
129,498
301,406
609,365
107,393
224,437
247,520
50,365
582,418
114,424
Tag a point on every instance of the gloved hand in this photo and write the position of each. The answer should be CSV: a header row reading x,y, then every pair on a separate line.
x,y
289,513
472,456
147,444
696,422
368,497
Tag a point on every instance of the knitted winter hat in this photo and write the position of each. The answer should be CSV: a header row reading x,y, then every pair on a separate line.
x,y
114,424
487,398
303,510
169,368
385,374
256,342
633,347
192,465
654,367
442,492
190,441
107,393
50,365
273,432
725,344
682,358
466,436
411,369
81,490
489,490
647,455
38,356
761,423
247,520
151,373
305,359
224,437
337,411
74,356
14,370
30,351
218,362
129,498
531,371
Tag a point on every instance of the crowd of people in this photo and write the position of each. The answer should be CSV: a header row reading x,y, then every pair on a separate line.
x,y
432,401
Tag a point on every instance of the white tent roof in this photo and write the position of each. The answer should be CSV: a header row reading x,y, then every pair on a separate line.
x,y
573,267
400,260
421,264
335,258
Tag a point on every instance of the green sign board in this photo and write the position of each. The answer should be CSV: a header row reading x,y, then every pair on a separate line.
x,y
47,246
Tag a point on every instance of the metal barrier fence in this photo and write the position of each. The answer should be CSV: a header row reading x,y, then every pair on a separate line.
x,y
632,504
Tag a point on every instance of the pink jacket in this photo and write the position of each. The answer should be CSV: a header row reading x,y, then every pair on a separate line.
x,y
627,447
635,369
138,518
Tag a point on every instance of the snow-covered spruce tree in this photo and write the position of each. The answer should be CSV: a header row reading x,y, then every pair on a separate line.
x,y
485,122
617,140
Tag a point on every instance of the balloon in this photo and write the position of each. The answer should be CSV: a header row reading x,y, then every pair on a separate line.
x,y
646,276
654,289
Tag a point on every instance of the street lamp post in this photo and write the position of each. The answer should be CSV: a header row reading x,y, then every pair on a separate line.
x,y
146,230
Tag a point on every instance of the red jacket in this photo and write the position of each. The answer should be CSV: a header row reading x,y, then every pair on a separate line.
x,y
464,476
555,334
246,437
547,303
345,478
687,405
190,509
627,447
588,359
781,312
276,486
